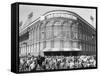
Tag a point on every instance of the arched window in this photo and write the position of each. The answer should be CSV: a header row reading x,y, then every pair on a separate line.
x,y
75,27
66,26
48,32
42,33
57,28
37,33
49,29
56,31
34,33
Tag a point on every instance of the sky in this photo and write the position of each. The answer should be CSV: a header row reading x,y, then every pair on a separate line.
x,y
25,10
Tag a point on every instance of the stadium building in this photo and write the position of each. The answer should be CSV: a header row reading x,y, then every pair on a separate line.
x,y
58,32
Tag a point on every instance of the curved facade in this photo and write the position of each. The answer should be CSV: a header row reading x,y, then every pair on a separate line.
x,y
57,30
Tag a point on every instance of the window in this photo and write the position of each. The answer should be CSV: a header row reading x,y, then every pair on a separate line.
x,y
57,28
42,34
79,36
74,28
34,36
67,44
21,50
29,47
61,43
63,34
80,45
48,32
48,44
83,36
66,26
75,45
37,47
52,43
37,32
32,48
56,44
44,44
74,35
83,47
68,34
24,50
57,31
41,46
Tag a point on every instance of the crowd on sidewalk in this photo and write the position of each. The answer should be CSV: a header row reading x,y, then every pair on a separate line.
x,y
31,63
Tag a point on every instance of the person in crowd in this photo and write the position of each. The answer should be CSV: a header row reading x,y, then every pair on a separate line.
x,y
31,63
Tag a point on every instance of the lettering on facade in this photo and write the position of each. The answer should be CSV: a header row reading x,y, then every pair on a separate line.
x,y
65,15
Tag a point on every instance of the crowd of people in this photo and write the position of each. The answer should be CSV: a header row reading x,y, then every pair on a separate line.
x,y
31,63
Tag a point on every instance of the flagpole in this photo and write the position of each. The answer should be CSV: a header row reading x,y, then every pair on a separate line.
x,y
92,20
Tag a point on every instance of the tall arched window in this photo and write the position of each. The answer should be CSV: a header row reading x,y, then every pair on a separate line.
x,y
34,33
57,34
67,34
42,32
49,30
57,28
67,29
37,32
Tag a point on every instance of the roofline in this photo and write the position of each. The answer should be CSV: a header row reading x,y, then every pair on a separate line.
x,y
76,15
